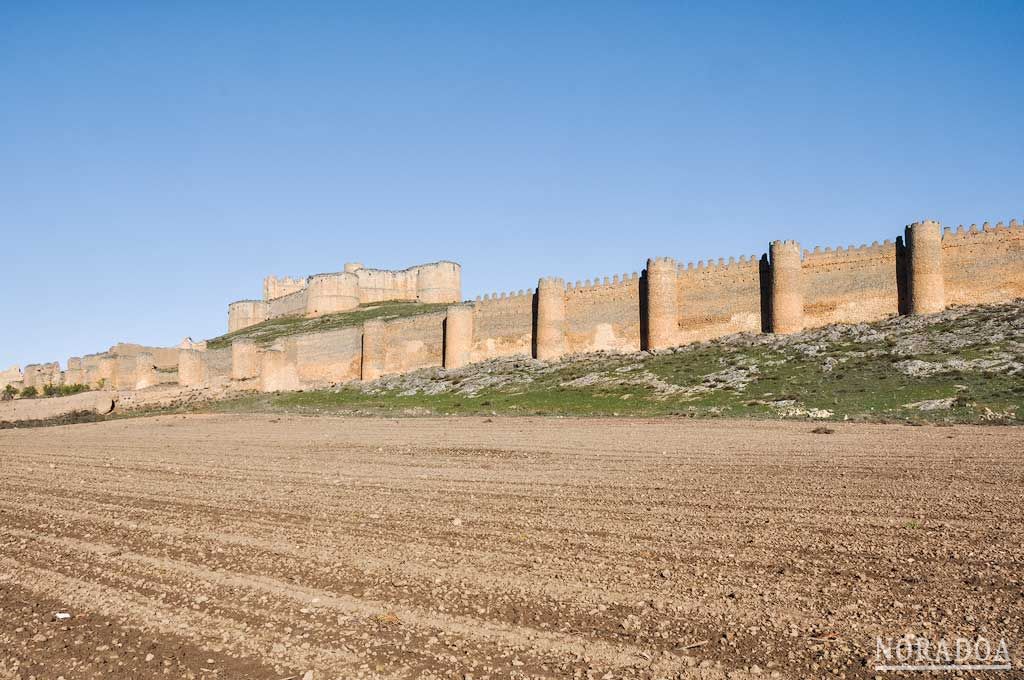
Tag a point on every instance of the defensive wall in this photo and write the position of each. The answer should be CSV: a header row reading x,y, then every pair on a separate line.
x,y
344,291
125,366
667,304
785,290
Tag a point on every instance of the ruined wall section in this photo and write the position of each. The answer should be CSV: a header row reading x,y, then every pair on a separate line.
x,y
719,298
503,325
91,370
41,375
983,265
850,285
125,372
163,357
120,366
13,377
603,315
74,374
146,374
203,367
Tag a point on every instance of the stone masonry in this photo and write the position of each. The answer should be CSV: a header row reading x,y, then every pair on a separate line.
x,y
667,304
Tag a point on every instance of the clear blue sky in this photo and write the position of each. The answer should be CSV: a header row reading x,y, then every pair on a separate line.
x,y
158,159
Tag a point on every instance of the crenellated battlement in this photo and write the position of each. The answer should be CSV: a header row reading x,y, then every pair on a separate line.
x,y
551,282
508,297
614,281
784,290
951,237
851,252
701,266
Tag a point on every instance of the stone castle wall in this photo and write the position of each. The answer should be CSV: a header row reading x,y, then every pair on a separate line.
x,y
718,298
343,291
322,359
502,325
13,377
414,342
983,265
41,375
851,284
783,291
603,315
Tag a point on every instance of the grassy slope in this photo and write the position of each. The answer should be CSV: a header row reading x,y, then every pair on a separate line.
x,y
841,372
267,332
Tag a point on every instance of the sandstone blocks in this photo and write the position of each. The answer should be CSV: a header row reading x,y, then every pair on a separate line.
x,y
787,287
662,303
458,336
925,283
550,318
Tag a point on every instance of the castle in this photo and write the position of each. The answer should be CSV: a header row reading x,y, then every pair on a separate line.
x,y
344,291
784,290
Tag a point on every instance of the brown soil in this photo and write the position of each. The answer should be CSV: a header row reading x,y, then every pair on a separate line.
x,y
266,547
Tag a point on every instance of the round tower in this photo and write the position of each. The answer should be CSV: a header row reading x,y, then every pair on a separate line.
x,y
550,318
662,303
374,349
245,359
925,284
245,313
331,293
458,336
439,282
787,302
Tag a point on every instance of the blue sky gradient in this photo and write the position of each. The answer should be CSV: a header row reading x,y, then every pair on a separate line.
x,y
158,159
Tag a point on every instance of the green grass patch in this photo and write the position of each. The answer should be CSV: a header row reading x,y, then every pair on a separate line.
x,y
267,332
842,371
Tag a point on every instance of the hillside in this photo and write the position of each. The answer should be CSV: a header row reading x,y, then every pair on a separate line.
x,y
267,332
963,365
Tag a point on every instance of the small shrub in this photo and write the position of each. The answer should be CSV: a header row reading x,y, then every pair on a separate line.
x,y
10,391
29,392
51,390
66,390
